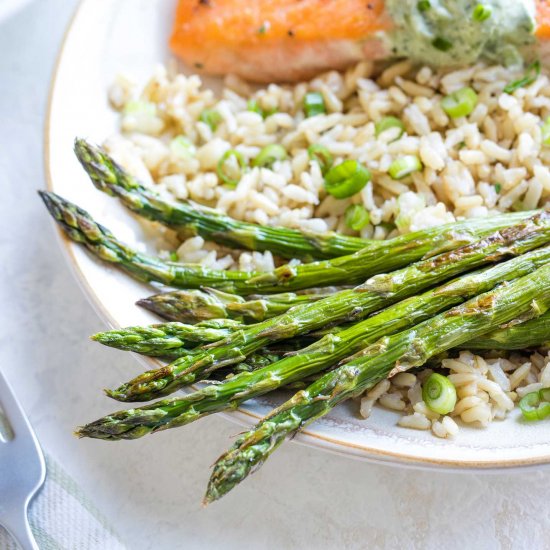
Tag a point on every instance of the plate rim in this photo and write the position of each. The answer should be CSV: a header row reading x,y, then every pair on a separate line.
x,y
240,416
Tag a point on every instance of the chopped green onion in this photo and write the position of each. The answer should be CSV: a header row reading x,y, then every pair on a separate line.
x,y
269,154
135,107
388,227
423,5
404,166
518,206
314,104
460,103
439,394
174,256
442,44
220,169
211,117
254,107
322,155
498,187
389,122
356,217
545,131
182,147
532,73
346,179
482,13
536,405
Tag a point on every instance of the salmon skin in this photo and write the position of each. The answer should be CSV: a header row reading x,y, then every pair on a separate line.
x,y
289,40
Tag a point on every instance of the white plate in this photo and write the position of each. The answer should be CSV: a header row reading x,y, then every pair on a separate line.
x,y
111,36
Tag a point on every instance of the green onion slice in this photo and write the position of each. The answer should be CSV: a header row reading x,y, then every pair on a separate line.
x,y
532,73
356,217
545,131
269,154
322,155
481,13
460,103
498,187
211,117
314,104
439,394
536,405
346,179
442,44
389,122
136,107
404,166
182,147
220,169
423,5
254,106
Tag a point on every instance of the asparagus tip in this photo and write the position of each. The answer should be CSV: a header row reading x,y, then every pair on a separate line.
x,y
49,200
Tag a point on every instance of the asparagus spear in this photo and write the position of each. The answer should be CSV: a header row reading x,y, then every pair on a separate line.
x,y
81,228
167,339
528,296
189,306
393,254
316,358
179,339
111,178
377,292
531,334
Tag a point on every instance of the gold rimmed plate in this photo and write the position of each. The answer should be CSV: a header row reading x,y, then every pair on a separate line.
x,y
130,36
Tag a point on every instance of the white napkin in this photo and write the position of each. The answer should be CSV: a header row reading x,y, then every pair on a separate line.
x,y
62,518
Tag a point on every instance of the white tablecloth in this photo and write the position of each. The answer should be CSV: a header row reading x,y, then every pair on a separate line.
x,y
151,489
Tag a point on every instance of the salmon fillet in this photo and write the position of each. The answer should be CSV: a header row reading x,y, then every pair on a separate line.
x,y
288,40
272,40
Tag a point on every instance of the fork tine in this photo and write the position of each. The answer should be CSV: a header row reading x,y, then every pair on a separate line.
x,y
14,414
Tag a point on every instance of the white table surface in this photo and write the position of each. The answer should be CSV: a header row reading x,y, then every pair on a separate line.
x,y
152,488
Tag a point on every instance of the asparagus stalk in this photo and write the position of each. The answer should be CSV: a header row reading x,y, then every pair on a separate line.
x,y
167,339
347,270
316,358
179,339
529,296
190,306
81,228
110,177
531,334
379,291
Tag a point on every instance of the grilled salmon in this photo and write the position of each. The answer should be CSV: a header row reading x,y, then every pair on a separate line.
x,y
288,40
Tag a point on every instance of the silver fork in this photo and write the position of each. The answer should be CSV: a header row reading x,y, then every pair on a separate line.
x,y
22,467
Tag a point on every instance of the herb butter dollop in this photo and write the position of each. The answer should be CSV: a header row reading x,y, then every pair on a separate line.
x,y
459,32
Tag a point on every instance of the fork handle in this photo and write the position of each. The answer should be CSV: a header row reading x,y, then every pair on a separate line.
x,y
17,525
